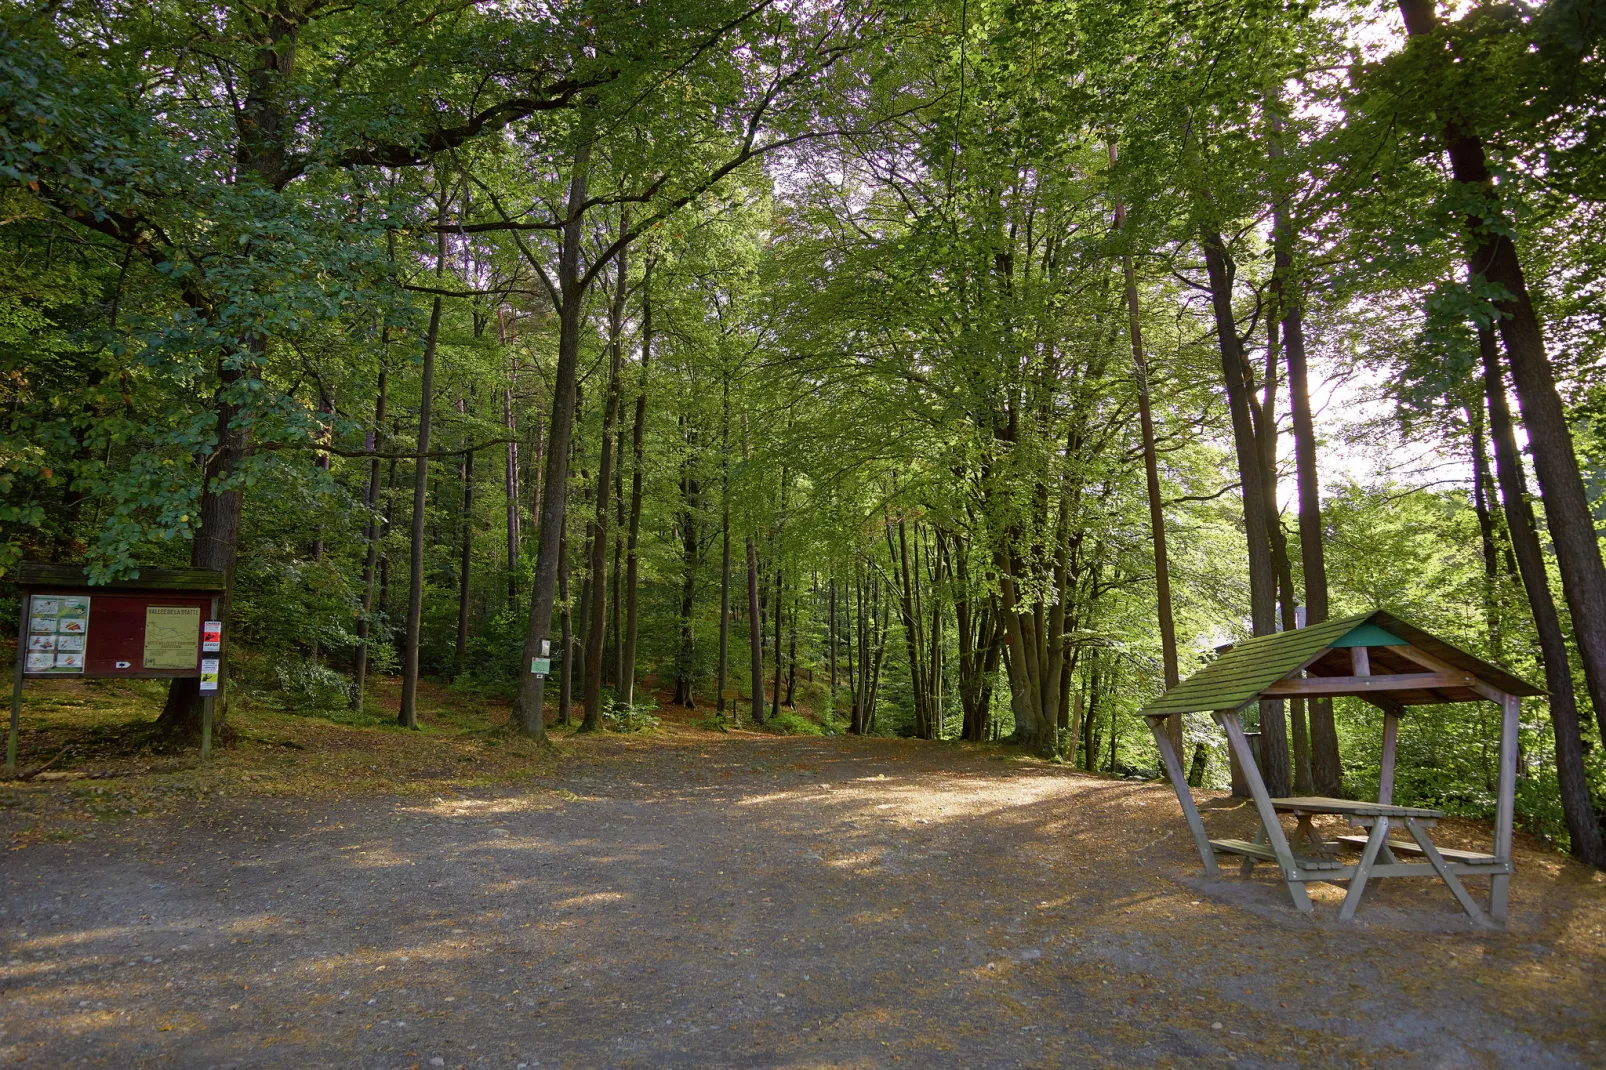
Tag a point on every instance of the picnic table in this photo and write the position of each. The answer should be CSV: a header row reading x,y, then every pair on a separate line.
x,y
1311,857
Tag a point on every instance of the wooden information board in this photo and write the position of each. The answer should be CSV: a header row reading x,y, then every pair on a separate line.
x,y
160,625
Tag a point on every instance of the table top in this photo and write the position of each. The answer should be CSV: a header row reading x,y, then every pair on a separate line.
x,y
1317,804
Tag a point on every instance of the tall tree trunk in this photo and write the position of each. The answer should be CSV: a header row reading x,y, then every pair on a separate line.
x,y
384,528
775,707
685,659
791,655
1583,826
597,615
627,680
372,535
510,474
555,485
1326,768
408,716
1486,527
566,636
725,554
832,631
465,564
1561,486
755,639
216,547
616,606
1262,577
1151,470
260,152
899,553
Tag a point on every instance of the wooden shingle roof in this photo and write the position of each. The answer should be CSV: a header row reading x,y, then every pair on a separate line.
x,y
1244,670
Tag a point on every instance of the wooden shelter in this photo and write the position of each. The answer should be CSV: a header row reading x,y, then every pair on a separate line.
x,y
1385,661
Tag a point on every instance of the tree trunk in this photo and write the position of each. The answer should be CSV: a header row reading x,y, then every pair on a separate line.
x,y
460,652
685,659
1486,526
627,680
755,639
597,622
216,547
1326,768
510,475
555,485
775,707
566,638
408,717
1151,469
372,535
1561,486
832,631
1235,373
1583,827
725,555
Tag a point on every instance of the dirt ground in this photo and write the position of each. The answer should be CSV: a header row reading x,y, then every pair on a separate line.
x,y
683,897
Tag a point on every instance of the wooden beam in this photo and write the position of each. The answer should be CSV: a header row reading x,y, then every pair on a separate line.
x,y
1385,769
1360,660
1173,769
1428,661
1351,685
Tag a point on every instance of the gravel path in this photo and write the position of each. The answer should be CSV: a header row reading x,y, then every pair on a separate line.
x,y
699,900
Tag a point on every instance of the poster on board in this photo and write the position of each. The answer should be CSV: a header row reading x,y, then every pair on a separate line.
x,y
58,631
172,637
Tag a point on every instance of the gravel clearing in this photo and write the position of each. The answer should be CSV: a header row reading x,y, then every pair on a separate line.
x,y
685,898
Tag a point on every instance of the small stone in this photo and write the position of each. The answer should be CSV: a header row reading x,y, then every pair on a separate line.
x,y
500,833
437,1061
1216,1025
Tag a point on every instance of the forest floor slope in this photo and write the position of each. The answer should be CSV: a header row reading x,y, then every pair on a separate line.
x,y
689,898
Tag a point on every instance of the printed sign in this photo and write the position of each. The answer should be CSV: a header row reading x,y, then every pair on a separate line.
x,y
58,626
540,666
211,637
171,633
208,675
546,648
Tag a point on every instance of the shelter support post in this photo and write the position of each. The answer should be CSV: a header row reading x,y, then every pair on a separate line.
x,y
16,688
1385,770
1173,769
1505,804
1228,719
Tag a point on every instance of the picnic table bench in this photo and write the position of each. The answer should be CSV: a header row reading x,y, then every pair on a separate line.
x,y
1313,859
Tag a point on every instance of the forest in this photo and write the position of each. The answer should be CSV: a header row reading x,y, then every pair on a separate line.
x,y
962,370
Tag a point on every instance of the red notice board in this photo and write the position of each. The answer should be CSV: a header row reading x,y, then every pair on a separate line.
x,y
117,630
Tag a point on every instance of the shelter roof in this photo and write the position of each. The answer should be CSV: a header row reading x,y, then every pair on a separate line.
x,y
1242,671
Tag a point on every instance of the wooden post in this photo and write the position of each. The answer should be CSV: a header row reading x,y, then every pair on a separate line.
x,y
1360,660
1385,772
16,686
1268,814
1179,781
1505,805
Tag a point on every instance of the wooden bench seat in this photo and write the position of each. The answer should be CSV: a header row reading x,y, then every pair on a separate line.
x,y
1449,854
1263,852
